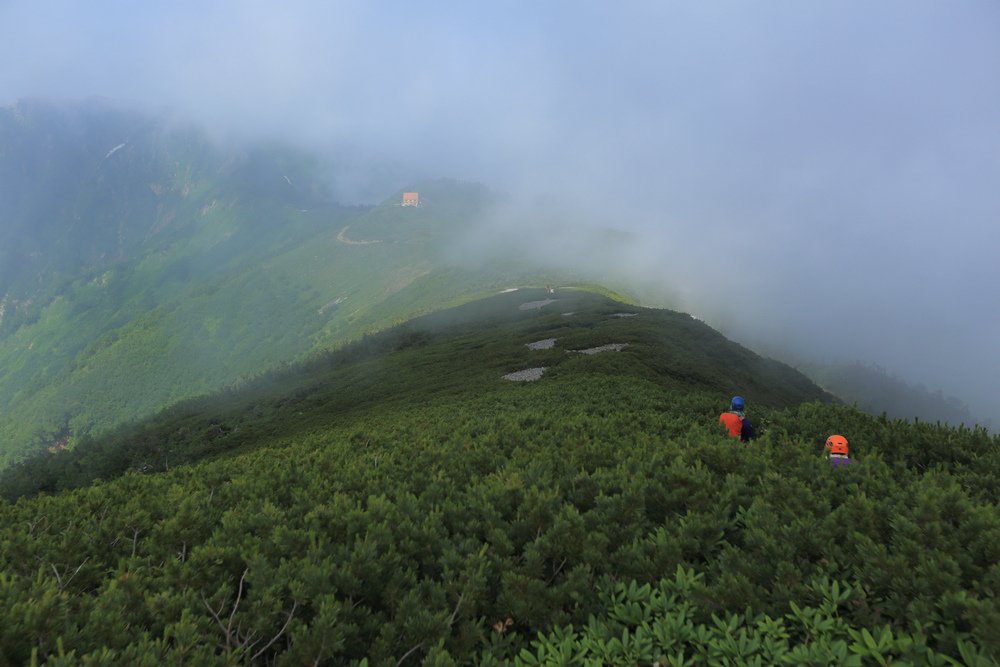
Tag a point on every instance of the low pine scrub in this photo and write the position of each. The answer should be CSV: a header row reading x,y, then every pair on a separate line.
x,y
398,503
461,530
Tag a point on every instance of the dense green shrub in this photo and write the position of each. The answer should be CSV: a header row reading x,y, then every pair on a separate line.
x,y
422,527
403,504
653,624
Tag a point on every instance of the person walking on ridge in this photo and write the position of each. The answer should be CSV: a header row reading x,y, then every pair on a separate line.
x,y
735,420
837,446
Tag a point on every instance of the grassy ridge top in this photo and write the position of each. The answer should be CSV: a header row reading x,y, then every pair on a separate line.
x,y
399,499
455,352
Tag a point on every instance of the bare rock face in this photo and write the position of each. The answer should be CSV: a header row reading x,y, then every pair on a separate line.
x,y
546,344
527,375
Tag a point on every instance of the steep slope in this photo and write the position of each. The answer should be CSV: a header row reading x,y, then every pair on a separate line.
x,y
143,265
399,500
875,391
110,221
88,186
240,267
139,337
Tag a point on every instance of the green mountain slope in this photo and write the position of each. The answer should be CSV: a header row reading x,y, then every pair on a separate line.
x,y
455,351
237,295
112,222
400,501
142,266
874,390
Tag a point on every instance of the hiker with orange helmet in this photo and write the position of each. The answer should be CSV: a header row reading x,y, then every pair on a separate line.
x,y
837,446
735,420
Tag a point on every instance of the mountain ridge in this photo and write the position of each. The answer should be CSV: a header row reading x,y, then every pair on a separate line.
x,y
166,266
662,346
399,498
272,446
200,308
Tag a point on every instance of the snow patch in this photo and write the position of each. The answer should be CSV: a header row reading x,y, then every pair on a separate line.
x,y
624,314
509,290
610,347
527,375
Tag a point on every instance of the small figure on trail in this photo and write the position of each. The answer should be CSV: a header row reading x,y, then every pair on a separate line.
x,y
837,446
736,420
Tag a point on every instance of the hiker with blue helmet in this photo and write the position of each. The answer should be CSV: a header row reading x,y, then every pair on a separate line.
x,y
735,420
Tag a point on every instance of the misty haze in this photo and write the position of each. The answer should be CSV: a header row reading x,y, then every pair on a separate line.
x,y
819,182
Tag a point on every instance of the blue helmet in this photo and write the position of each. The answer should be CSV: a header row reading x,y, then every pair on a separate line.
x,y
737,403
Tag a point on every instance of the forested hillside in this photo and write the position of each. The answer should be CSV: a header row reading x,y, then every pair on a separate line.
x,y
400,502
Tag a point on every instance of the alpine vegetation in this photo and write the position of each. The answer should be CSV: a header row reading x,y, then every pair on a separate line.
x,y
394,501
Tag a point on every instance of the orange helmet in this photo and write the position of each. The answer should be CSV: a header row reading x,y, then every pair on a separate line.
x,y
837,444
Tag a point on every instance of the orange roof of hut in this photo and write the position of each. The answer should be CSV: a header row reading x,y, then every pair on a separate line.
x,y
411,199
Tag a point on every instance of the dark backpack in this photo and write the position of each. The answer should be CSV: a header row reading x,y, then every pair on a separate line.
x,y
746,431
